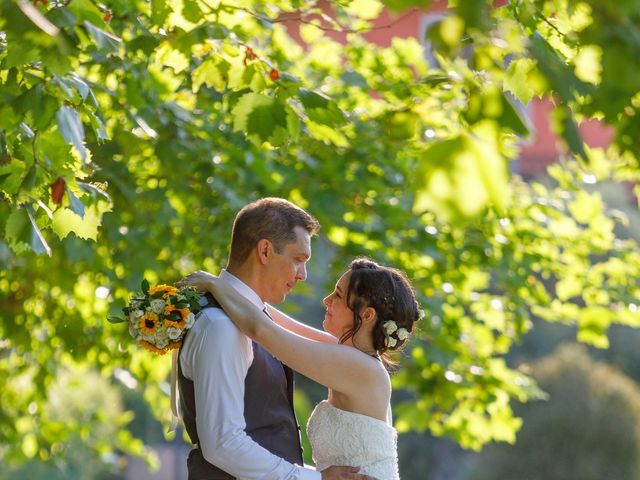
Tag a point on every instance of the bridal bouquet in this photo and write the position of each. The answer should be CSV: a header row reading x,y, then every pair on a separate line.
x,y
159,317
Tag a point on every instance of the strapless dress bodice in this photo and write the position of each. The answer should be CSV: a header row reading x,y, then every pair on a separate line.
x,y
339,437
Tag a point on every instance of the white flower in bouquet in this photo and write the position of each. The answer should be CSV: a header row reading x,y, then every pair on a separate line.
x,y
174,333
157,306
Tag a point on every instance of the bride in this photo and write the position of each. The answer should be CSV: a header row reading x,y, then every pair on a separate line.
x,y
370,312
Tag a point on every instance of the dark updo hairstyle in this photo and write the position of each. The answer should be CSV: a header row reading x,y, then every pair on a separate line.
x,y
388,291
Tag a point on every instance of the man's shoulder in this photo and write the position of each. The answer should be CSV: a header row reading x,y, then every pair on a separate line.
x,y
211,318
213,338
213,323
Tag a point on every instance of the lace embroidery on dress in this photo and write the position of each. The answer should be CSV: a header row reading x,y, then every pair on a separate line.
x,y
339,437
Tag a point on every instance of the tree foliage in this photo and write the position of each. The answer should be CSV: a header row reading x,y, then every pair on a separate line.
x,y
132,131
588,428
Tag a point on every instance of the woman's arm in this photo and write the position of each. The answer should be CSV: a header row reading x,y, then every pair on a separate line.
x,y
339,367
291,324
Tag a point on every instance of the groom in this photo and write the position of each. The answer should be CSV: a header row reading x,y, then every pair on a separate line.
x,y
236,398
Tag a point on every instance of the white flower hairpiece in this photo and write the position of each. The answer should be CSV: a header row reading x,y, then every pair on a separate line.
x,y
390,326
393,334
402,334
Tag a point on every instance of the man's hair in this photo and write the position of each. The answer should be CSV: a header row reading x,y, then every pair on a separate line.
x,y
269,218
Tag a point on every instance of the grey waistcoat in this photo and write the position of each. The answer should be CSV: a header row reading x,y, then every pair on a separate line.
x,y
268,412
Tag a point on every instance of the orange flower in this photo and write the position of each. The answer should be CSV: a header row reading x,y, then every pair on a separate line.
x,y
167,289
159,351
183,312
177,324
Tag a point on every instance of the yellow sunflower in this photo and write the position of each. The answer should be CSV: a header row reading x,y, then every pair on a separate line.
x,y
166,289
148,323
183,312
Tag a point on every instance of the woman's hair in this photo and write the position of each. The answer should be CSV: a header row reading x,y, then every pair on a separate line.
x,y
388,291
269,218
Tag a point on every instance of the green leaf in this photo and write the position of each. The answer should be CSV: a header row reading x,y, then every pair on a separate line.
x,y
519,82
30,179
104,40
145,286
564,123
464,175
212,73
83,10
365,9
403,5
586,207
75,205
593,324
399,126
320,108
115,319
491,102
561,77
66,221
569,287
72,130
94,191
38,244
40,106
160,11
191,11
260,117
17,228
98,127
22,231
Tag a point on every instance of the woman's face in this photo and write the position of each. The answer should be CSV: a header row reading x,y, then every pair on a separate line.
x,y
338,317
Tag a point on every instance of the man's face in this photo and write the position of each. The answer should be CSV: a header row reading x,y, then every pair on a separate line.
x,y
288,267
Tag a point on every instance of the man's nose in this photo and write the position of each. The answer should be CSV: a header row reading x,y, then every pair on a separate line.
x,y
301,273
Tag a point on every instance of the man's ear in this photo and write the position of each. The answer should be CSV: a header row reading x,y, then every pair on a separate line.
x,y
264,248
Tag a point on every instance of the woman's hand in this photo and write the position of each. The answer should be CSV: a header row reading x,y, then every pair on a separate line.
x,y
200,280
246,316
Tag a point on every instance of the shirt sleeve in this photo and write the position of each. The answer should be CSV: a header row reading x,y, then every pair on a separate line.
x,y
217,358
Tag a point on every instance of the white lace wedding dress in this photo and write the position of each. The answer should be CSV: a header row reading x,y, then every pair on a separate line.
x,y
339,437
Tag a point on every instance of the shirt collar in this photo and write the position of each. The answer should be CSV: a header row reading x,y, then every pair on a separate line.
x,y
244,289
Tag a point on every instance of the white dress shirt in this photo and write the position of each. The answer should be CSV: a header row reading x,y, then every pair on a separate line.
x,y
216,357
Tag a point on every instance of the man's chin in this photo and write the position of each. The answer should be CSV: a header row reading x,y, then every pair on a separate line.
x,y
277,299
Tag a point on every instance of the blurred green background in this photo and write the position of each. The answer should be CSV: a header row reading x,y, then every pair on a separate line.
x,y
490,150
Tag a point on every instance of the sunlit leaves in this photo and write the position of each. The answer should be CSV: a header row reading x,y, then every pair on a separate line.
x,y
72,129
365,9
589,64
211,73
18,229
177,111
464,174
160,10
320,108
523,80
263,119
67,220
104,40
